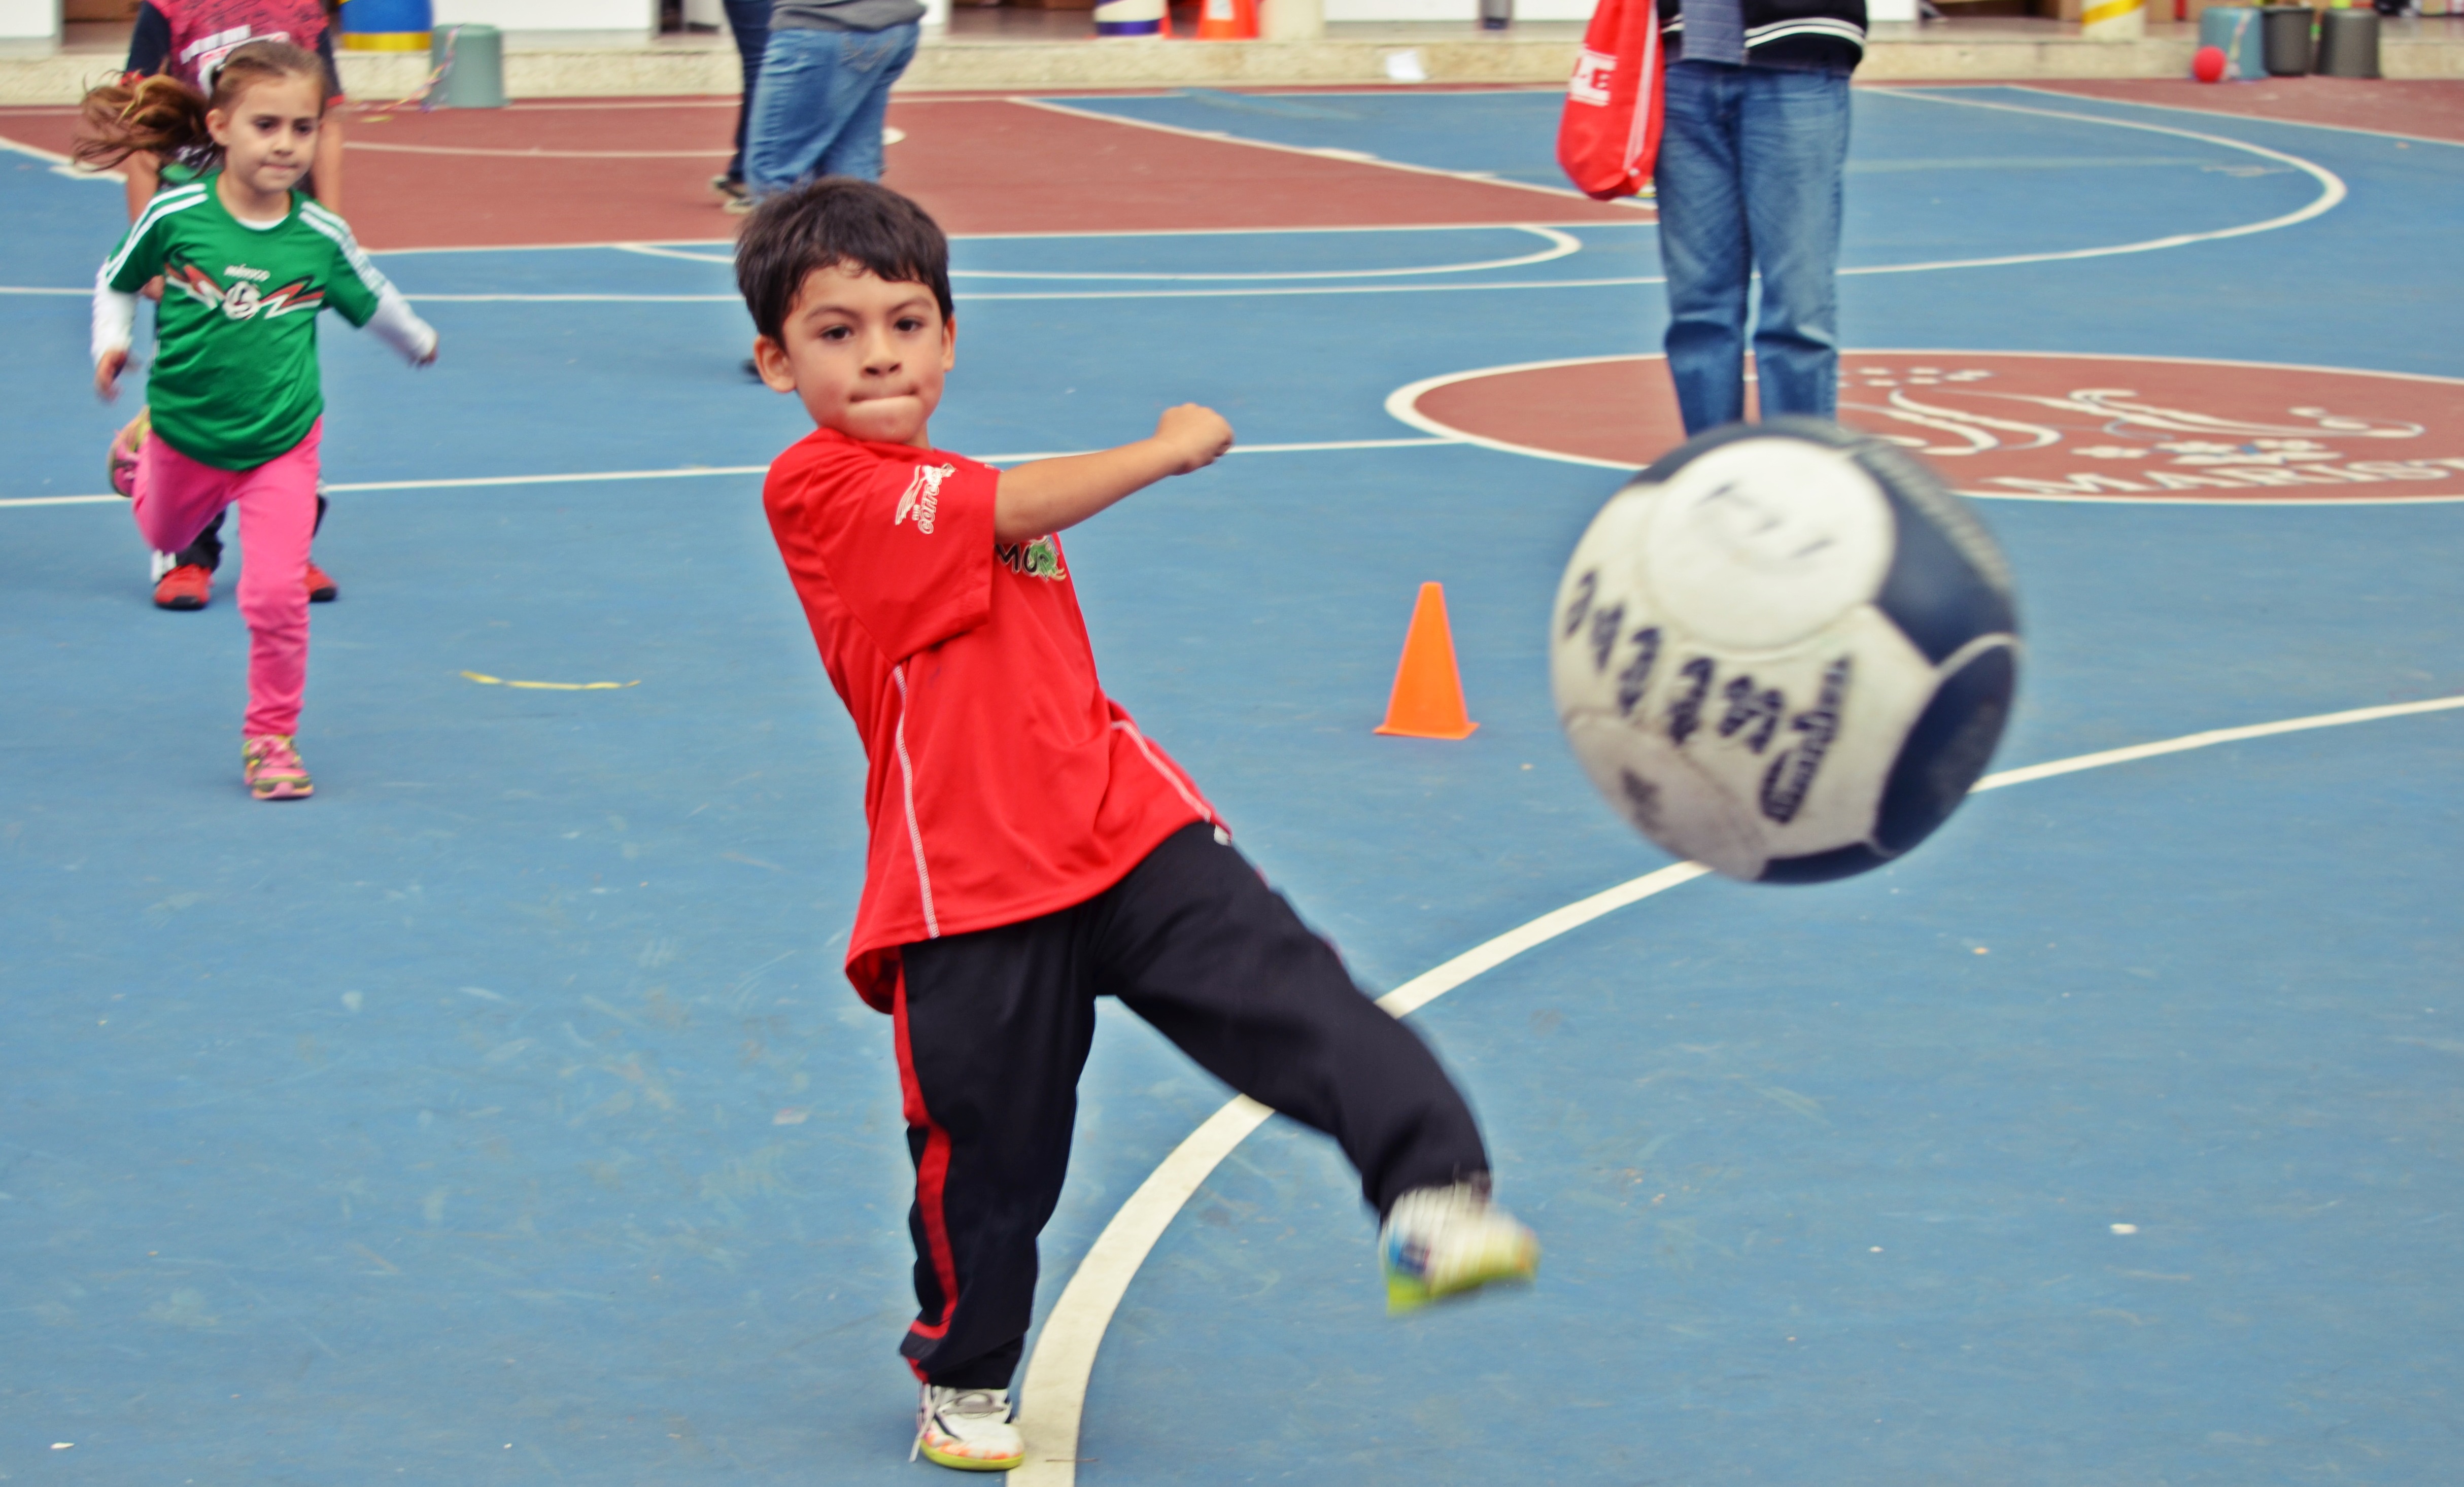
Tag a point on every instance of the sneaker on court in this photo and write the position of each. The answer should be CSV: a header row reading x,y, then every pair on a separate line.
x,y
731,188
968,1429
738,205
1441,1241
186,586
272,767
120,463
321,589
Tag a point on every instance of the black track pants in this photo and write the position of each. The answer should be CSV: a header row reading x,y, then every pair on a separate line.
x,y
994,1027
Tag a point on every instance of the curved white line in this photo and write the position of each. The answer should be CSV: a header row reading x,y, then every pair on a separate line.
x,y
1403,404
1055,1387
2331,190
1561,245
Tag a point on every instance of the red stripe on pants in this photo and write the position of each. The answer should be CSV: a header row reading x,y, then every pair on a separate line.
x,y
931,1174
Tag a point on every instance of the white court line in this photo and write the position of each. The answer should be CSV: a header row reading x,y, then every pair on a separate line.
x,y
1560,245
1349,157
2331,185
2176,108
390,148
61,164
1054,1394
1403,404
691,471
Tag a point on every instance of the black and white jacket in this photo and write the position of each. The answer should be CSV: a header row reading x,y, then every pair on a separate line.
x,y
1806,34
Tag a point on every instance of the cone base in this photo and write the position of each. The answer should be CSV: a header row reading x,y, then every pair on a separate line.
x,y
1393,730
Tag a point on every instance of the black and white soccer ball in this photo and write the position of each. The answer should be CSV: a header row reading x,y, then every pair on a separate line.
x,y
1785,652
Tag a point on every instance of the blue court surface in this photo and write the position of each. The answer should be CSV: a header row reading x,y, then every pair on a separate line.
x,y
502,1116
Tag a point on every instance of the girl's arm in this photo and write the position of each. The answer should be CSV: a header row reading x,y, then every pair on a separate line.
x,y
1049,495
399,326
115,325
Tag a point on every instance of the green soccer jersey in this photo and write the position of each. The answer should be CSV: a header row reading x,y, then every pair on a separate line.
x,y
234,382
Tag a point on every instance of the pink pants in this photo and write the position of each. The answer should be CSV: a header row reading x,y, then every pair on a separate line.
x,y
176,496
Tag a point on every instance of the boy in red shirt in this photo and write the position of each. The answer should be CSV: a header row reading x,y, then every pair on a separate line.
x,y
1031,849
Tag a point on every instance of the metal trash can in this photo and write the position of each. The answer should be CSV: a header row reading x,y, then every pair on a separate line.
x,y
2235,31
470,62
2348,44
2288,38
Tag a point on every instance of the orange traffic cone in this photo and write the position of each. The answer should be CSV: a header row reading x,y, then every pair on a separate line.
x,y
1228,20
1428,700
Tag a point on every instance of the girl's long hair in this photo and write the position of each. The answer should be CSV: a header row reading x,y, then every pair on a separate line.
x,y
165,117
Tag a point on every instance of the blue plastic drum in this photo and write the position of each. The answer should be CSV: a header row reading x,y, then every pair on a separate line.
x,y
2231,29
387,25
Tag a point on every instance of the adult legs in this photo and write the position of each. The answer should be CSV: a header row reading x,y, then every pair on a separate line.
x,y
791,101
867,66
1196,943
992,1031
277,517
1793,139
749,22
1706,247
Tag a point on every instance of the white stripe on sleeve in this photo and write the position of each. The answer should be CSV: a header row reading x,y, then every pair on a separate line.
x,y
399,326
165,203
339,232
115,317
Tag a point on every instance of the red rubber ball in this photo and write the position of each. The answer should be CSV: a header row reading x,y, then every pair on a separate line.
x,y
2208,64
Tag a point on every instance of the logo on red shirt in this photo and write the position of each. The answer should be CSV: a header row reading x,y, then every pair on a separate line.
x,y
923,496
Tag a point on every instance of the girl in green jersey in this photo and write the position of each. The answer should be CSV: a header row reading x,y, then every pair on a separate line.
x,y
234,403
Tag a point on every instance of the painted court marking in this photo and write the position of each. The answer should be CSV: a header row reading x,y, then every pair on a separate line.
x,y
551,687
1054,1394
1403,404
690,472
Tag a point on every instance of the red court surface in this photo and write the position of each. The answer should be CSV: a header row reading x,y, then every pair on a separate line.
x,y
638,171
2045,425
2430,109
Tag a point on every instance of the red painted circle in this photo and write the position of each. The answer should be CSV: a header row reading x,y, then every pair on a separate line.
x,y
2037,426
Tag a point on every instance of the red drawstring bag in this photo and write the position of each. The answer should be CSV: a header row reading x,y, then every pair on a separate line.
x,y
1609,138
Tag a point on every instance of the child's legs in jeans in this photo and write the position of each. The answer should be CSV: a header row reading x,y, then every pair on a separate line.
x,y
1196,943
277,517
814,86
992,1030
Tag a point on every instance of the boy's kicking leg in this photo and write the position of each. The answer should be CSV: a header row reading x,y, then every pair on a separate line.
x,y
1194,942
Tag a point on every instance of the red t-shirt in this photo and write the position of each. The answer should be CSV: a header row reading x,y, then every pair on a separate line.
x,y
1003,783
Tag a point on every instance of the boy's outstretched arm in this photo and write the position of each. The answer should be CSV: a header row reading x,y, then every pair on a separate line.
x,y
1048,495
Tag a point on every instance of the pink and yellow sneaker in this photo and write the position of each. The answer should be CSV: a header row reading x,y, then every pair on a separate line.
x,y
273,769
120,463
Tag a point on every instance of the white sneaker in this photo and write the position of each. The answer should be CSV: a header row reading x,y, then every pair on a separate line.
x,y
968,1429
1439,1241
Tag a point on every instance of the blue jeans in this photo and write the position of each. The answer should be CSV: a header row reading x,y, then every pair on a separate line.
x,y
819,104
1750,161
749,22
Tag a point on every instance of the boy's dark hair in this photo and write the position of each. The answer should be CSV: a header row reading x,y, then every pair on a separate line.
x,y
835,220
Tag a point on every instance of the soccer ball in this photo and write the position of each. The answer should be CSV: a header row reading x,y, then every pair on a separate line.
x,y
1785,650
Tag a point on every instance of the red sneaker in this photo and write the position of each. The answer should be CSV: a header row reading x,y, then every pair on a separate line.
x,y
189,586
321,586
